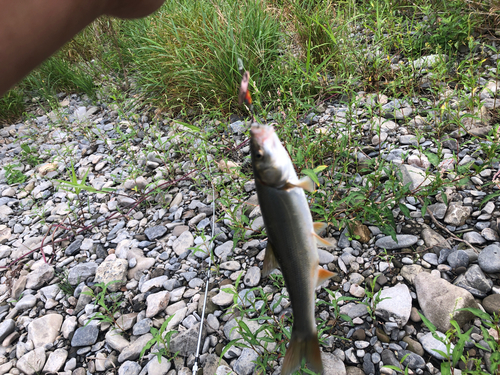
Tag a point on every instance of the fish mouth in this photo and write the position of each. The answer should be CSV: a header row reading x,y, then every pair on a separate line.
x,y
261,133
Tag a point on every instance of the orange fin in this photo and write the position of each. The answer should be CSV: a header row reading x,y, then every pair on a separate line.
x,y
323,275
319,227
270,261
321,241
299,349
304,183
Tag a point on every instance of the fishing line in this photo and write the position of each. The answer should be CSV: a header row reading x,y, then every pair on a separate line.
x,y
209,270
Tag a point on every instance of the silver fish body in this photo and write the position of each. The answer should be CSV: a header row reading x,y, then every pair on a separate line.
x,y
291,242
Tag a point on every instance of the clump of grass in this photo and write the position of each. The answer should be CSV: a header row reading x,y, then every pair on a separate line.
x,y
11,106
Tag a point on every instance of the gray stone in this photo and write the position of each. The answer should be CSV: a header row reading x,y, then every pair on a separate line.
x,y
456,214
44,330
410,271
6,328
224,250
412,360
245,364
142,327
474,238
432,238
154,367
437,209
116,341
129,368
132,351
81,272
55,361
440,301
432,345
252,277
32,362
153,283
492,303
490,235
457,259
185,342
395,305
431,258
155,232
183,242
416,177
73,248
325,257
69,326
223,299
429,61
85,336
27,302
475,281
112,273
403,240
157,302
38,277
332,364
489,259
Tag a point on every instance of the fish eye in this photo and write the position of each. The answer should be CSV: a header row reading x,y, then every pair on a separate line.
x,y
259,154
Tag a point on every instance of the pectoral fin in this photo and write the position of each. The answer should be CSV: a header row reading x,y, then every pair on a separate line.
x,y
304,183
323,275
319,227
270,261
321,241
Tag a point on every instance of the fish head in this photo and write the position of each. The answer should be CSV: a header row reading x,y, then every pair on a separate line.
x,y
272,165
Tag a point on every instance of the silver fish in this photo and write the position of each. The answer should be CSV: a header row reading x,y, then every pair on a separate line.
x,y
292,237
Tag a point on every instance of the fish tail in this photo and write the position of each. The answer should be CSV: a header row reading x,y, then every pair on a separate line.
x,y
299,349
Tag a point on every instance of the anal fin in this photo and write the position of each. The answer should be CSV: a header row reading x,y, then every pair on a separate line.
x,y
319,227
323,275
321,241
270,261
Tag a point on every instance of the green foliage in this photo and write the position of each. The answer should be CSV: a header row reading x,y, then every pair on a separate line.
x,y
29,155
162,339
78,185
109,304
14,175
11,105
64,284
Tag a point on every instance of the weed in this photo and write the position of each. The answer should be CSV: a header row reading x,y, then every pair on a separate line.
x,y
162,340
29,156
373,298
64,284
14,175
11,105
109,304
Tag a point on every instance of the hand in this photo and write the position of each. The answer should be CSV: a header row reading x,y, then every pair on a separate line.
x,y
132,8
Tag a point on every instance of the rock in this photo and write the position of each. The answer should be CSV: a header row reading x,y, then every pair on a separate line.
x,y
32,362
6,328
116,341
132,351
410,271
414,346
44,330
332,364
434,346
252,276
432,238
85,336
414,176
489,259
26,302
223,299
183,242
457,214
69,326
403,240
185,342
474,238
81,272
438,210
440,301
492,303
395,305
412,360
245,364
429,61
157,302
129,368
38,277
73,248
114,271
155,232
154,367
475,282
457,259
153,283
55,361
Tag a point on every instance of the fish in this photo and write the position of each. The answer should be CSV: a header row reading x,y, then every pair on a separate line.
x,y
292,241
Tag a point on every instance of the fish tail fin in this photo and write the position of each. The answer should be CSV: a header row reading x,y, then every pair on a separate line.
x,y
302,348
